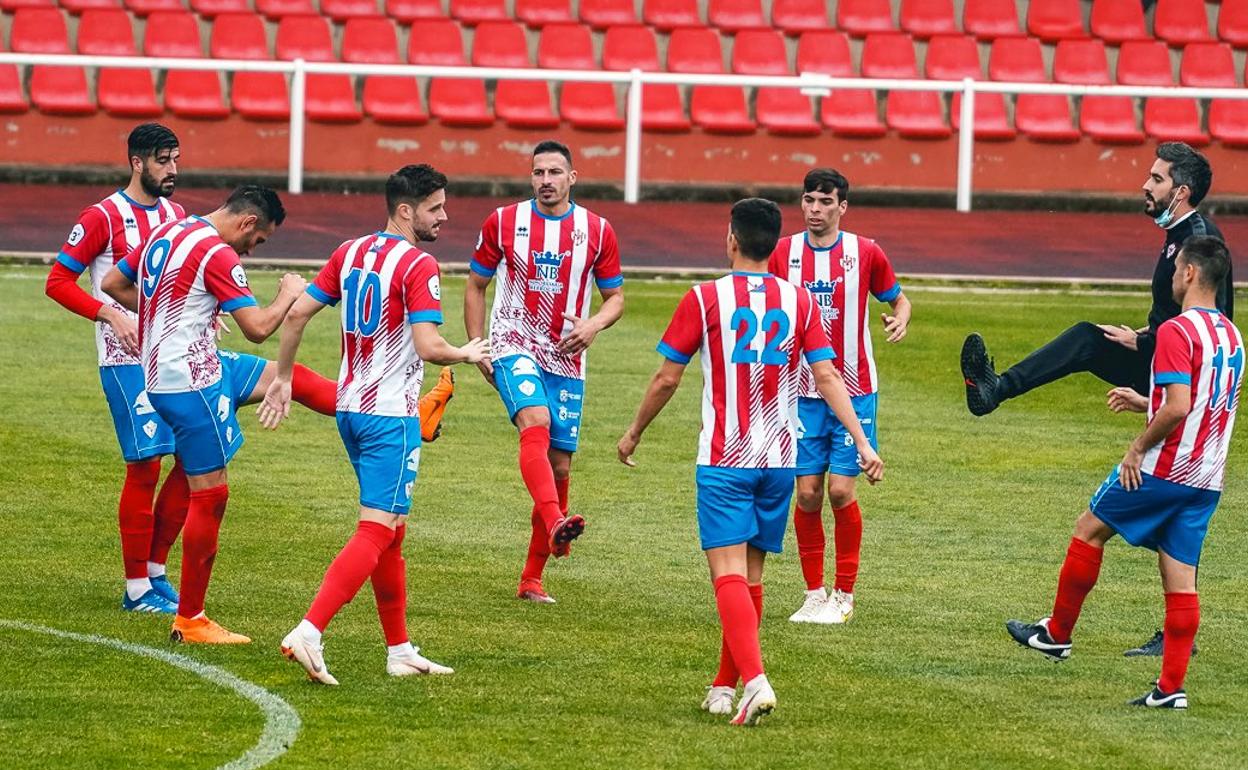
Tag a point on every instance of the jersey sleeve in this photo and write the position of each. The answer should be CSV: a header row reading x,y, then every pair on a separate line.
x,y
62,286
607,273
1172,361
884,285
89,237
489,251
326,288
422,292
815,344
684,334
779,256
225,279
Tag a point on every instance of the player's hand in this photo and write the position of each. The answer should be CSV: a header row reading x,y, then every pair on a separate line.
x,y
486,367
582,335
292,285
626,447
476,351
222,327
123,327
871,463
1129,470
1126,400
1122,334
894,327
276,404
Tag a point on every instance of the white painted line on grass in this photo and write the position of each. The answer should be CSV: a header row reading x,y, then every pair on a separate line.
x,y
281,721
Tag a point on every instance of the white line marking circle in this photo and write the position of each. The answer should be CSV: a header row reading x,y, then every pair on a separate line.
x,y
281,721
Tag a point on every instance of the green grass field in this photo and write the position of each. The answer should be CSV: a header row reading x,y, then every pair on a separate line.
x,y
967,530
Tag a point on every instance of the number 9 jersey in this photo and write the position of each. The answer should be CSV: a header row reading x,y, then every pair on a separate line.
x,y
752,330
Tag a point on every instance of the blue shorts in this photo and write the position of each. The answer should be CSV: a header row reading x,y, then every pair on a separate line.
x,y
521,383
142,433
1160,515
743,505
385,452
824,445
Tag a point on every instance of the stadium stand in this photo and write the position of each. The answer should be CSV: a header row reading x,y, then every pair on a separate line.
x,y
797,16
254,95
1054,20
1179,22
473,12
990,19
1044,117
276,10
954,57
604,14
453,102
1117,21
392,99
846,112
519,103
539,13
718,109
1104,118
635,47
53,90
584,105
783,111
925,18
732,16
412,11
1212,65
863,17
915,114
128,93
329,98
667,15
1147,63
1233,23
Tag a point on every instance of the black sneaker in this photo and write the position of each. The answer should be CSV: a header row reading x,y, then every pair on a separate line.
x,y
1156,699
1151,648
979,375
1036,636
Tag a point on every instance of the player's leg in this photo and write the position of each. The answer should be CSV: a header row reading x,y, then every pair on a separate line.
x,y
814,452
169,514
565,404
1178,583
250,377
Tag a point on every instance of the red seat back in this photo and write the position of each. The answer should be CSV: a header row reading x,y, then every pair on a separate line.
x,y
888,55
798,16
925,18
759,52
566,46
694,51
1116,21
824,52
605,14
862,17
735,15
539,13
1144,63
370,41
1017,59
105,33
172,33
953,57
238,36
1083,62
305,37
990,19
1180,22
1207,65
1053,20
626,48
436,42
667,15
500,44
39,30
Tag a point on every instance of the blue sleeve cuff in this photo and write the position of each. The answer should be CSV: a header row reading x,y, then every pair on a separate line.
x,y
315,293
71,263
425,316
1173,378
614,282
891,294
238,302
124,267
672,354
481,269
820,354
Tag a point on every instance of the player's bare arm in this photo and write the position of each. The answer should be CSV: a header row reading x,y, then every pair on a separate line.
x,y
432,347
897,322
258,324
1126,400
474,317
662,386
1173,411
276,404
830,385
584,330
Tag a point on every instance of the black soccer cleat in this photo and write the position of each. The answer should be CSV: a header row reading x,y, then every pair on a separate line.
x,y
1156,699
979,375
1151,648
1035,636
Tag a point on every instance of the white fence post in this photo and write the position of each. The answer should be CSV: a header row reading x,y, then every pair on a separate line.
x,y
298,87
632,140
966,145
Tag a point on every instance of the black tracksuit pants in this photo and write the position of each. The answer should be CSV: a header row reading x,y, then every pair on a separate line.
x,y
1081,348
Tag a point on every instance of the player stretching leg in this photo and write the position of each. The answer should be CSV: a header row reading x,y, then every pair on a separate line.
x,y
176,281
1164,492
840,269
752,330
390,316
545,252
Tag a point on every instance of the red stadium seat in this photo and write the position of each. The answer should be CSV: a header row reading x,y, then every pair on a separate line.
x,y
106,33
12,101
124,93
53,90
238,36
912,113
862,17
1144,63
370,41
1117,21
925,18
634,47
1054,20
304,37
327,98
1081,62
387,98
9,6
341,10
846,112
1179,22
1104,118
990,19
473,12
797,16
1233,23
1147,63
539,13
276,10
39,30
695,51
77,7
584,105
174,34
436,42
187,93
1212,65
520,103
211,8
785,111
1044,117
888,55
566,46
604,14
452,102
759,52
1017,59
254,95
954,57
409,11
667,15
500,44
732,16
717,109
145,7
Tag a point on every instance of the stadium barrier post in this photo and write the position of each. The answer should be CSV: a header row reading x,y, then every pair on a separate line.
x,y
966,144
632,139
298,84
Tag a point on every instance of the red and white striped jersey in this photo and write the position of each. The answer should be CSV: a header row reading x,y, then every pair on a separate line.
x,y
544,266
386,285
184,273
1203,349
104,234
839,277
753,332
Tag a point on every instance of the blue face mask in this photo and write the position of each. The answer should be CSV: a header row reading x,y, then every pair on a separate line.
x,y
1164,219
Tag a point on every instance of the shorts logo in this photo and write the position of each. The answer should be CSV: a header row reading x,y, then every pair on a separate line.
x,y
149,428
435,287
849,441
223,409
143,404
527,388
407,489
230,354
76,235
524,367
239,275
413,462
574,431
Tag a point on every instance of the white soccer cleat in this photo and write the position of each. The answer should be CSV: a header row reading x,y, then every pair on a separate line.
x,y
757,701
413,663
718,700
308,654
815,600
838,609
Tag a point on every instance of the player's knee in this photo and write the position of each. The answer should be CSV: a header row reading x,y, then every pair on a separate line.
x,y
809,497
841,494
1084,332
1092,530
206,480
532,417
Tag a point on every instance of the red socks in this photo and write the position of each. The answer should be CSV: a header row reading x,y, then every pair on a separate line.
x,y
561,489
1182,620
811,545
170,513
346,574
727,675
199,546
539,551
134,515
740,619
1078,576
538,476
320,394
390,590
848,545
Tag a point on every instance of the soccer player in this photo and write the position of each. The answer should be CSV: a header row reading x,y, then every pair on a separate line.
x,y
840,269
752,329
390,316
545,251
177,280
1164,492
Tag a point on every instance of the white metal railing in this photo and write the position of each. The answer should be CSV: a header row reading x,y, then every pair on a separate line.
x,y
811,84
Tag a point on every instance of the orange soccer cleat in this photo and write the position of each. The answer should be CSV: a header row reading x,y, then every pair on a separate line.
x,y
433,405
201,630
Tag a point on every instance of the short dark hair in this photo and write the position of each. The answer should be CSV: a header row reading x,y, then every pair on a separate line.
x,y
1187,167
551,145
256,199
412,184
149,138
825,180
756,224
1210,257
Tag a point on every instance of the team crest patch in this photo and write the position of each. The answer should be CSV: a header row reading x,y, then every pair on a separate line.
x,y
149,428
527,388
435,288
407,489
76,235
848,261
579,237
1170,250
239,275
